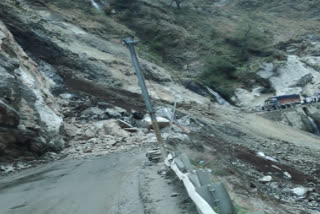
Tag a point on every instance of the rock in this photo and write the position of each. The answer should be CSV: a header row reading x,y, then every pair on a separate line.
x,y
287,175
246,98
265,179
261,154
153,72
131,130
93,140
291,76
177,137
87,150
37,147
162,122
164,112
137,115
111,127
66,96
92,111
71,130
174,194
300,191
154,155
104,105
124,124
7,168
312,61
297,118
28,111
115,112
304,80
89,133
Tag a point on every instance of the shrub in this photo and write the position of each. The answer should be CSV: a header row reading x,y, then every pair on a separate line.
x,y
219,74
217,70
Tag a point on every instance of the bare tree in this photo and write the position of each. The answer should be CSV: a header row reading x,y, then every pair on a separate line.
x,y
178,3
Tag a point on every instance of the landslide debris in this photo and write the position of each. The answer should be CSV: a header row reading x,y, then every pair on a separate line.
x,y
66,74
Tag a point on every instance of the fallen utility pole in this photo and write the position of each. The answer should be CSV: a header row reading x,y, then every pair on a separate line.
x,y
129,42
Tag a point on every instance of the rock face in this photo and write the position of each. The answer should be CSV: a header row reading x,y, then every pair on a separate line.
x,y
28,114
292,76
295,73
46,51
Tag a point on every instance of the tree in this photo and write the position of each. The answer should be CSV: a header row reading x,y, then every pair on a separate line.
x,y
178,3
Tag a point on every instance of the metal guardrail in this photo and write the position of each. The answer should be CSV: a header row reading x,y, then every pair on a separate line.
x,y
209,197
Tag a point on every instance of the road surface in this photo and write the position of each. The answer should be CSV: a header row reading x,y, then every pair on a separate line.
x,y
99,185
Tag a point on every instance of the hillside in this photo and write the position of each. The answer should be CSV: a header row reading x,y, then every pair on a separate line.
x,y
67,80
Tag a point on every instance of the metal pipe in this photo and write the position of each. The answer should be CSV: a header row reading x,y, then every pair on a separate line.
x,y
129,42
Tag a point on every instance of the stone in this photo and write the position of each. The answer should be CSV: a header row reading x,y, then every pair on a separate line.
x,y
89,133
287,175
245,98
162,122
92,111
87,151
299,191
265,179
8,116
124,124
115,112
93,141
71,130
290,77
174,194
7,168
111,127
132,130
66,96
137,115
28,110
164,112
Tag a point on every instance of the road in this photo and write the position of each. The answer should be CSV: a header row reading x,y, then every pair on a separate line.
x,y
99,185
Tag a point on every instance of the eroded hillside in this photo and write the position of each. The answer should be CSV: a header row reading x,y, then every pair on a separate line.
x,y
67,80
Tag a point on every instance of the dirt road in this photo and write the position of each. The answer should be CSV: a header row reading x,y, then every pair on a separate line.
x,y
107,185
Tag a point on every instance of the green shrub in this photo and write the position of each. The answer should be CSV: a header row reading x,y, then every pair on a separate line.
x,y
225,92
219,74
217,70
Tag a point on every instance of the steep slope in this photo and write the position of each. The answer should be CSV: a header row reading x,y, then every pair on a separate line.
x,y
29,114
74,67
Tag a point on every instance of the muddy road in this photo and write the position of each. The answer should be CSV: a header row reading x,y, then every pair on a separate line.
x,y
99,185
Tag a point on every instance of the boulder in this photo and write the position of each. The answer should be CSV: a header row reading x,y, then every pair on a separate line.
x,y
66,96
9,117
92,111
299,191
147,123
265,179
291,76
124,124
111,127
247,98
115,112
164,112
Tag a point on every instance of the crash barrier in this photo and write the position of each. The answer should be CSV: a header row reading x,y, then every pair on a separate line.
x,y
209,197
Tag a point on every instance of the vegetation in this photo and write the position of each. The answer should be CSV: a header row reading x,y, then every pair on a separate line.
x,y
177,2
177,37
231,68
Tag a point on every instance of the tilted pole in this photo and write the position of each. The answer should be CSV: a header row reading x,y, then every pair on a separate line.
x,y
129,42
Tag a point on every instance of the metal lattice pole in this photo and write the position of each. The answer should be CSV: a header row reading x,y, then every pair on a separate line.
x,y
129,42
